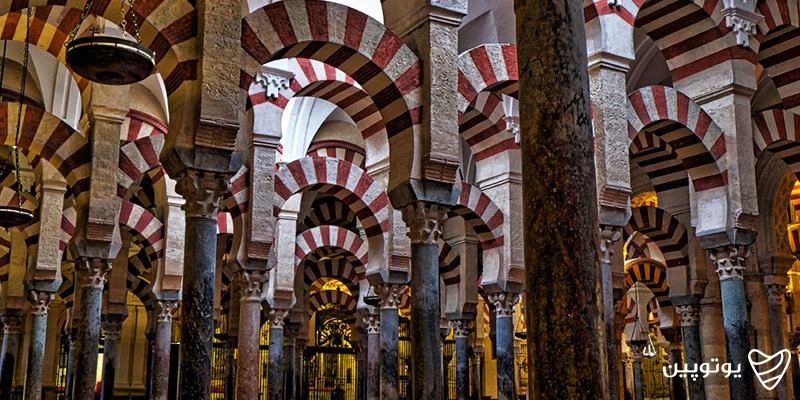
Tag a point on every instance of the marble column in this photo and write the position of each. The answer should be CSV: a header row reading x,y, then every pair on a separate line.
x,y
202,191
462,328
559,202
277,320
291,331
12,329
477,374
151,343
112,327
776,298
673,335
165,312
692,352
729,261
389,323
372,323
69,386
299,349
424,223
608,236
92,277
251,290
231,342
40,304
504,307
638,373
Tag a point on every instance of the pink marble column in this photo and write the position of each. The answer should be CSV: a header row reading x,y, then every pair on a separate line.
x,y
251,288
372,323
165,311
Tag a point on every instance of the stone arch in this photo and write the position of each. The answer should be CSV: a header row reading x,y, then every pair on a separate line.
x,y
778,131
652,274
778,55
331,236
671,238
135,159
343,299
348,273
449,261
482,214
342,37
145,228
491,67
330,211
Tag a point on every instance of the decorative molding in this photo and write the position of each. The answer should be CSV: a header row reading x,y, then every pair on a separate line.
x,y
165,310
112,329
390,295
372,323
12,324
203,191
462,327
503,303
277,318
273,80
252,285
609,234
92,272
424,222
741,19
40,302
776,294
511,115
729,261
689,314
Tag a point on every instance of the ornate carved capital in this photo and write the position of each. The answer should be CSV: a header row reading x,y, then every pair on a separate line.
x,y
12,324
504,303
92,272
742,20
372,323
273,80
165,310
690,314
776,294
729,261
277,318
112,328
609,234
390,295
424,222
462,327
40,302
636,350
252,285
203,191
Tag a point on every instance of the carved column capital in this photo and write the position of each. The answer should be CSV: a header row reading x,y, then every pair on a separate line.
x,y
40,302
730,261
372,323
273,80
741,20
112,328
390,295
277,318
252,285
637,349
690,314
504,303
424,222
609,234
92,272
462,327
165,310
12,324
776,294
202,191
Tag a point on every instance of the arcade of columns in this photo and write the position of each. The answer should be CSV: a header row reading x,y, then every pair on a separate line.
x,y
219,218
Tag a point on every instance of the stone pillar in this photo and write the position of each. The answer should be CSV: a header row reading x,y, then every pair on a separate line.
x,y
477,374
292,330
638,374
372,323
299,349
729,261
151,343
608,236
12,329
776,299
673,335
251,288
92,276
202,191
424,222
277,319
165,311
389,323
231,342
462,328
504,307
558,154
40,304
112,327
70,381
692,353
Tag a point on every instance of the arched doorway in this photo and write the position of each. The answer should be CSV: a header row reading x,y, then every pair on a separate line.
x,y
330,368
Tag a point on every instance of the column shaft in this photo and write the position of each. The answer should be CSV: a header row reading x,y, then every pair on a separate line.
x,y
38,337
692,355
638,378
609,235
250,290
92,278
506,384
112,328
161,349
388,353
426,353
372,323
777,328
676,382
462,368
230,367
69,386
275,384
289,347
477,376
151,342
8,353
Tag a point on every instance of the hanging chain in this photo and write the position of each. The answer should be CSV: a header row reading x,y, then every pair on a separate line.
x,y
123,24
79,23
135,23
21,100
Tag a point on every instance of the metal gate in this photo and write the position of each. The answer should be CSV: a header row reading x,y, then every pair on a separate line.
x,y
330,369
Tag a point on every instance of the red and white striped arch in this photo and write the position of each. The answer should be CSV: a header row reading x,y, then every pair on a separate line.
x,y
484,129
449,263
671,238
330,211
139,125
338,149
135,159
351,275
331,236
146,229
318,299
659,161
224,223
651,274
237,200
480,212
339,178
490,67
779,52
700,147
779,132
344,38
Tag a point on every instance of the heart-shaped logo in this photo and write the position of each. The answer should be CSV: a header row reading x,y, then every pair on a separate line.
x,y
768,382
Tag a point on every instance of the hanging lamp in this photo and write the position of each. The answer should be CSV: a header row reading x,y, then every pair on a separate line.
x,y
107,59
372,298
11,216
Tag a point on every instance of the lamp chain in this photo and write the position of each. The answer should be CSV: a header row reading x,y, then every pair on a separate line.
x,y
21,100
79,23
123,23
135,23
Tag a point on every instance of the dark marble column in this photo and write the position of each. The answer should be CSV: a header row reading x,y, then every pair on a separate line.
x,y
12,329
40,304
673,335
729,261
151,342
165,311
373,326
559,197
390,321
69,386
251,288
692,352
776,298
92,277
462,328
504,307
277,319
112,327
608,236
299,349
477,374
638,373
424,223
231,342
291,330
202,191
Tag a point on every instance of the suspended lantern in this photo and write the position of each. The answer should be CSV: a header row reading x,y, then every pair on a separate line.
x,y
110,60
372,298
11,216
